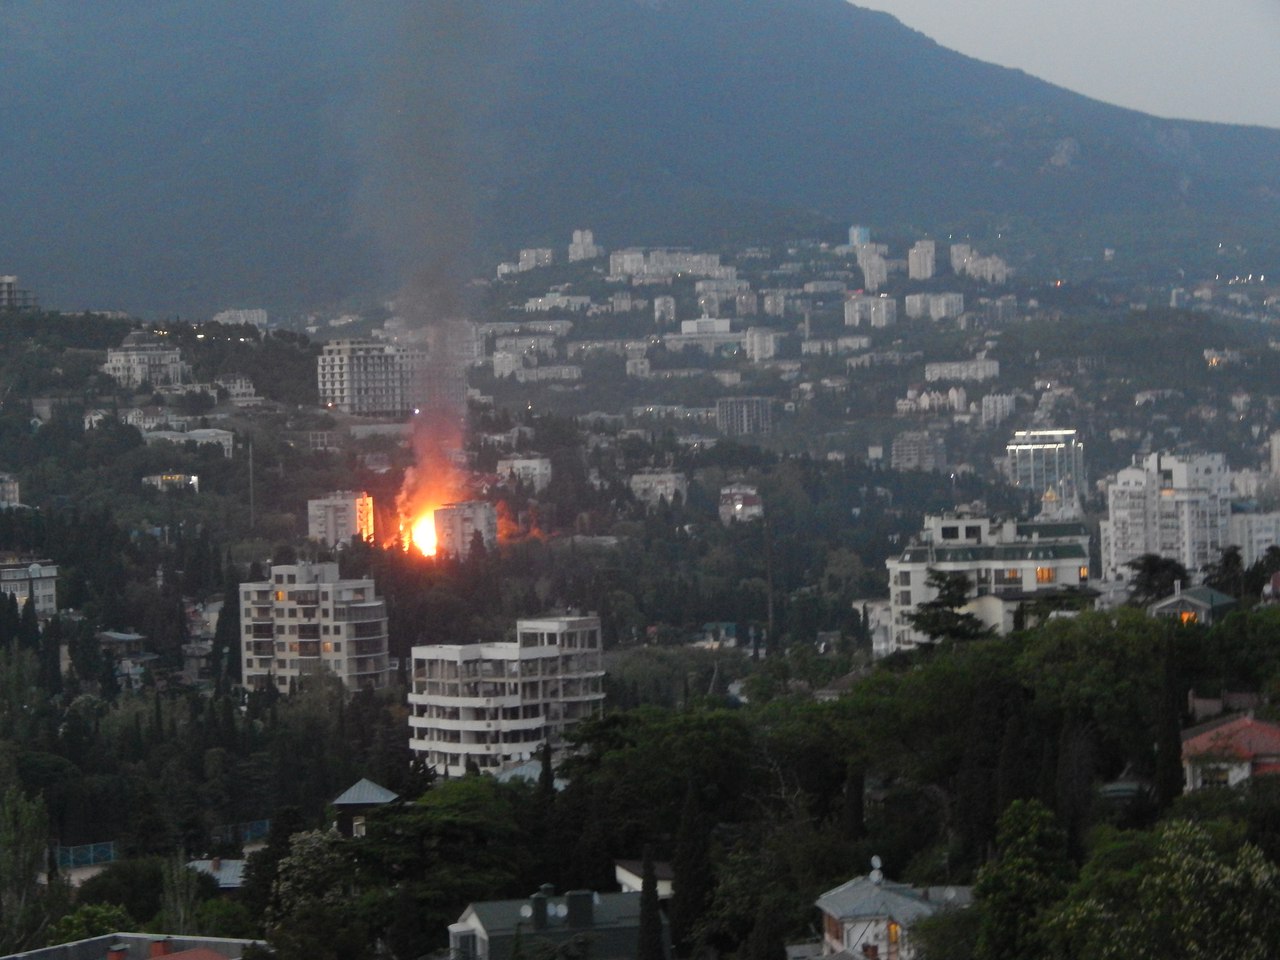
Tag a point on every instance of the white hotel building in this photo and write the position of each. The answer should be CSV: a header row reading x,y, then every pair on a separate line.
x,y
495,704
305,621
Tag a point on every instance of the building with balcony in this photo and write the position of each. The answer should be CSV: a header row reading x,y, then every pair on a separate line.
x,y
458,523
335,519
1009,561
369,378
493,705
1171,506
304,620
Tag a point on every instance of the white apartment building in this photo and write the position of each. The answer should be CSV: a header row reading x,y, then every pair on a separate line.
x,y
1253,533
336,518
875,271
922,260
368,378
533,257
495,704
458,523
534,472
304,621
876,312
996,408
1006,560
141,359
29,577
584,246
744,416
859,235
664,309
1175,507
977,369
762,343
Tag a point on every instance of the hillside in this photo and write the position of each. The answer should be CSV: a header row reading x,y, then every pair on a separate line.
x,y
303,152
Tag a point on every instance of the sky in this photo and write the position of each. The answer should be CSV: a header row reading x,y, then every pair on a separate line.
x,y
1186,59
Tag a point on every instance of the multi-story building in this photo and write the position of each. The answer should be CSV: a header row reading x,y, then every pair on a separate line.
x,y
654,486
1174,507
534,472
935,306
1005,560
336,518
13,297
584,246
875,271
859,235
10,493
145,359
664,309
762,343
1254,534
368,378
31,577
918,450
740,502
878,311
458,523
534,257
1048,459
922,260
304,621
979,368
996,408
744,416
494,704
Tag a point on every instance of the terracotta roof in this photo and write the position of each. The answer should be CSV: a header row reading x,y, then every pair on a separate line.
x,y
1244,738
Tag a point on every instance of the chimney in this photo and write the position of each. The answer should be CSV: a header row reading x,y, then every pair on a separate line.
x,y
581,910
539,903
216,866
160,948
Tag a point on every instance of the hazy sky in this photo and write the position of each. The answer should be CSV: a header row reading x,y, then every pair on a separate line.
x,y
1174,58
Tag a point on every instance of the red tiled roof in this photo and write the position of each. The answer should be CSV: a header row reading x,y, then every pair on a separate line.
x,y
1244,738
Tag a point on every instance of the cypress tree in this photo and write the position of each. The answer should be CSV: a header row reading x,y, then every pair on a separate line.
x,y
650,946
691,865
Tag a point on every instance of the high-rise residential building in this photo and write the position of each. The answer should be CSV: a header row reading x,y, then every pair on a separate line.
x,y
304,621
584,246
13,297
877,312
336,518
762,343
875,272
1273,448
744,416
369,378
494,704
1174,507
859,235
10,490
961,253
458,523
1008,561
664,309
533,257
996,408
1048,459
1254,534
922,260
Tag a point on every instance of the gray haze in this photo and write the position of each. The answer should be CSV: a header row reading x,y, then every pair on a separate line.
x,y
1173,58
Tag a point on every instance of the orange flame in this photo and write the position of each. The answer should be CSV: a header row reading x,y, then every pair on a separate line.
x,y
433,481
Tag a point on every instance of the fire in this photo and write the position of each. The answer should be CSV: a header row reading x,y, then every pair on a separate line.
x,y
422,533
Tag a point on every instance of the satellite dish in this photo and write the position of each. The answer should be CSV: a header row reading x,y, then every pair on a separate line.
x,y
876,863
526,911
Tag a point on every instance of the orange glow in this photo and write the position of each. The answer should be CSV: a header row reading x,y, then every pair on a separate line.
x,y
434,480
423,533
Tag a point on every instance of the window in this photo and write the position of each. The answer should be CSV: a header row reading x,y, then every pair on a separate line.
x,y
973,533
327,646
1188,616
950,533
1084,573
1046,575
279,593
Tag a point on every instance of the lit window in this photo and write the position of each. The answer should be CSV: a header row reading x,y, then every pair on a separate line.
x,y
1046,575
1188,616
1084,573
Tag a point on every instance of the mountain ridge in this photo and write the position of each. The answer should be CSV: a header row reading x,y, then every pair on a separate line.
x,y
303,152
